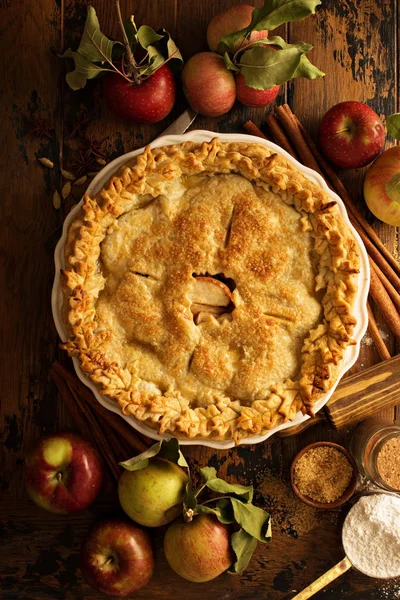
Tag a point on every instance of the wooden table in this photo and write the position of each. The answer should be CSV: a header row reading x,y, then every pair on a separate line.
x,y
355,44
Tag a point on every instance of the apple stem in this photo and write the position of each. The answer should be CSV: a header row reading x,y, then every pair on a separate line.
x,y
108,561
188,515
59,476
132,66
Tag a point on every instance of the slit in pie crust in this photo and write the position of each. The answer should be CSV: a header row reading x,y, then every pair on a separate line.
x,y
209,290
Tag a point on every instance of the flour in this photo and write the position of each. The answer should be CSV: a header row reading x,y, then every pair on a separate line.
x,y
371,535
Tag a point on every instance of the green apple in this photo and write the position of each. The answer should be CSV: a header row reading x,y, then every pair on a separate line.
x,y
153,496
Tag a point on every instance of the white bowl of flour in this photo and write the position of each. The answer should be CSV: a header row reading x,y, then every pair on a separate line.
x,y
371,535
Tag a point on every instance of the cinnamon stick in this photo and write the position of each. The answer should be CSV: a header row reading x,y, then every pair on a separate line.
x,y
394,295
116,422
380,345
385,304
252,128
291,129
339,188
375,254
278,135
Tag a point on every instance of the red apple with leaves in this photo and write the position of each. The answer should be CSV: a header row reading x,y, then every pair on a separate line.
x,y
351,135
148,101
232,19
200,550
63,473
117,558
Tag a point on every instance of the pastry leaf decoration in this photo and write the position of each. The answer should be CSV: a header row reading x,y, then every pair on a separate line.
x,y
97,54
231,503
254,59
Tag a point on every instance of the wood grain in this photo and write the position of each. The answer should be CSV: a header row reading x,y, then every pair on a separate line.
x,y
355,44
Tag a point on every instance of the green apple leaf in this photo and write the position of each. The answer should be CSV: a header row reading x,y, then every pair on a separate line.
x,y
223,487
307,69
168,449
277,12
94,45
270,16
392,187
223,511
169,50
146,36
263,68
190,501
208,473
252,519
229,64
131,32
84,70
243,545
393,125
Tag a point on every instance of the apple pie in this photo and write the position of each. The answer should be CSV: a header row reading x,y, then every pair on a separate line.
x,y
209,290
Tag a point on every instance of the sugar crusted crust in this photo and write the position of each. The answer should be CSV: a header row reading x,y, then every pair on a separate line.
x,y
231,208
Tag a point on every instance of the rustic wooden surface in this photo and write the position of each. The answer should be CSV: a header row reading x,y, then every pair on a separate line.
x,y
39,553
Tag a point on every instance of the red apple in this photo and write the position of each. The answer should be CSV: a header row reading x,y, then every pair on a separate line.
x,y
232,19
153,496
382,187
147,102
63,473
351,135
252,97
200,550
117,558
208,85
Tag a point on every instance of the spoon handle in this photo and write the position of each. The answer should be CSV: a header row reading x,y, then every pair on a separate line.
x,y
326,578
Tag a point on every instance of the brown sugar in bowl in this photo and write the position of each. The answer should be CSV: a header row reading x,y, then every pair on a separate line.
x,y
349,491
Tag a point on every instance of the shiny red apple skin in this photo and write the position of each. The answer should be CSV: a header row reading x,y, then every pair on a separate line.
x,y
384,207
351,135
252,97
200,550
148,102
208,85
232,19
117,557
63,473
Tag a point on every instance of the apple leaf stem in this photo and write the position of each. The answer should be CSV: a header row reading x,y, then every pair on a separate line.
x,y
107,60
132,66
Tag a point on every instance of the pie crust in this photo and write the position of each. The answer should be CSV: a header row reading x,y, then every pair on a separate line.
x,y
234,228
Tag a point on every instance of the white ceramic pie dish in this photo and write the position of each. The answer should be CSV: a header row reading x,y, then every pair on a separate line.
x,y
360,308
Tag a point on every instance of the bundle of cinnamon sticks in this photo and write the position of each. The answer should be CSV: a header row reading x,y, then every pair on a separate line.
x,y
287,131
109,433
